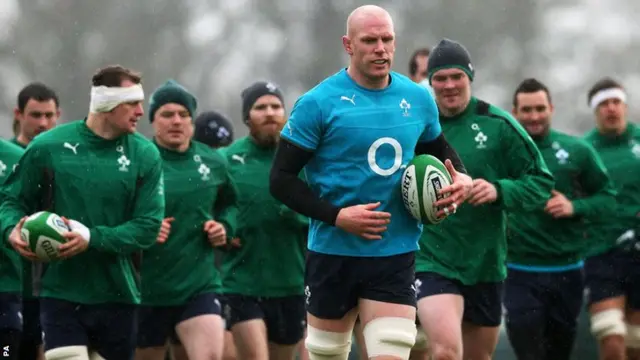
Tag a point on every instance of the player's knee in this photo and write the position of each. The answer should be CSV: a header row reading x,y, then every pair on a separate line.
x,y
67,353
608,323
421,340
632,339
326,345
390,336
445,353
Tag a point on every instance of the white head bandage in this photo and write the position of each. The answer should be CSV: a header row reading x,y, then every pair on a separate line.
x,y
606,94
105,99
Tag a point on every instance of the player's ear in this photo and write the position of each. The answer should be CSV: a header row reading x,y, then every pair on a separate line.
x,y
17,113
346,43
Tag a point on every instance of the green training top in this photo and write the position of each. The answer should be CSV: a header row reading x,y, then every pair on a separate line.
x,y
270,262
198,188
537,238
114,187
621,156
27,265
11,274
470,246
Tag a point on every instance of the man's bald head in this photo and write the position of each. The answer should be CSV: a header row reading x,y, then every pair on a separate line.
x,y
370,44
367,15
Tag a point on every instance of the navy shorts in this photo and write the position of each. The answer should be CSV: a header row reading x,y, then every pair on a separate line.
x,y
542,310
31,329
158,323
612,274
10,312
335,283
108,329
482,301
284,317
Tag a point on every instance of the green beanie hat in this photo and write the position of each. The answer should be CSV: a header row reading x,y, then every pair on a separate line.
x,y
172,92
449,54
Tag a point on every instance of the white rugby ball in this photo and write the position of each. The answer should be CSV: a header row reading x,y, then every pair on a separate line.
x,y
422,179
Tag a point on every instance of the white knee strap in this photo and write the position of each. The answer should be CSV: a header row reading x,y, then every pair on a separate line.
x,y
390,336
608,323
633,336
421,340
95,356
326,345
67,353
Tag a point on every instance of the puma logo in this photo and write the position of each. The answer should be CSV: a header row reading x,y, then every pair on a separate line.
x,y
238,158
72,147
351,99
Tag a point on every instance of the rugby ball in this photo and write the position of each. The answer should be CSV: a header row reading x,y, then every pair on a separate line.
x,y
424,176
43,231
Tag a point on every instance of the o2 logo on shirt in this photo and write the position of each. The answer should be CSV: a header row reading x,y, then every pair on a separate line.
x,y
397,162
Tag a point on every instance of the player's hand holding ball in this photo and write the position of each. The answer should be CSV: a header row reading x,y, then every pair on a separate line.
x,y
432,190
216,233
458,191
364,221
45,236
77,239
19,244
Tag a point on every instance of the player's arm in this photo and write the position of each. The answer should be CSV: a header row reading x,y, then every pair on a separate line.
x,y
225,209
299,139
598,186
440,148
23,191
148,211
528,182
288,188
292,216
432,140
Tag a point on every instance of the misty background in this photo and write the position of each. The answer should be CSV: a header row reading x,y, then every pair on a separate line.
x,y
216,48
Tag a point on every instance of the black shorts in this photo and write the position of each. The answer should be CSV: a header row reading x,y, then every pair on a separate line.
x,y
10,312
543,299
284,317
482,301
108,329
157,323
542,310
335,283
31,329
612,274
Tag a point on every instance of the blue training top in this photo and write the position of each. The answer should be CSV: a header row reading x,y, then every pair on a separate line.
x,y
362,140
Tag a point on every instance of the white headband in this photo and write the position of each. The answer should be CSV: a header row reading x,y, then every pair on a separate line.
x,y
105,99
606,94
